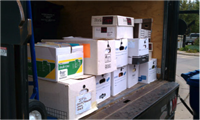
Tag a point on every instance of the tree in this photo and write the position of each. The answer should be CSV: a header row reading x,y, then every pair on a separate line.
x,y
188,18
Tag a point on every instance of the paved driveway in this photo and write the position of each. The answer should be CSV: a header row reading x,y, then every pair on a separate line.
x,y
184,64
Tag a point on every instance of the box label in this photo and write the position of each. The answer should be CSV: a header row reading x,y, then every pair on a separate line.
x,y
62,74
107,20
3,51
103,29
107,58
129,21
86,50
83,103
73,66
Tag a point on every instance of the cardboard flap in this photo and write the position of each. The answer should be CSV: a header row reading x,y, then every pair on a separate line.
x,y
104,39
81,77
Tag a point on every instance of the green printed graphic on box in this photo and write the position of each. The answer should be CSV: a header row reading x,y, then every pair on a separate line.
x,y
45,68
73,65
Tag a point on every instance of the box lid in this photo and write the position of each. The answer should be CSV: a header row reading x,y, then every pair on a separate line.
x,y
75,79
112,20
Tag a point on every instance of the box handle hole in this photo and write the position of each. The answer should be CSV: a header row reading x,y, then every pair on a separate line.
x,y
126,101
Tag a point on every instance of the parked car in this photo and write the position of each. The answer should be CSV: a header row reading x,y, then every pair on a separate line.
x,y
191,38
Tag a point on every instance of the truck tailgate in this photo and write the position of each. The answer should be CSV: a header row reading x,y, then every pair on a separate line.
x,y
146,101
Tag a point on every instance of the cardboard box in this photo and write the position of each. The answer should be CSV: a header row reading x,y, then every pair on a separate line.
x,y
147,72
119,81
142,28
112,26
121,48
103,85
150,50
99,55
70,98
55,64
150,55
133,73
138,50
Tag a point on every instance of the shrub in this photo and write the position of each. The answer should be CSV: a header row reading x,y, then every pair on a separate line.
x,y
192,51
184,48
196,41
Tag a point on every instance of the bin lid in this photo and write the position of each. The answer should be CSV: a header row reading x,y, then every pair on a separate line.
x,y
194,80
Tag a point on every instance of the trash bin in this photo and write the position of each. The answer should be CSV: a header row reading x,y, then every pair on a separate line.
x,y
192,79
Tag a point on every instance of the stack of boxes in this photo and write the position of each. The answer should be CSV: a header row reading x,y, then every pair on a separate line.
x,y
112,61
63,88
147,69
118,28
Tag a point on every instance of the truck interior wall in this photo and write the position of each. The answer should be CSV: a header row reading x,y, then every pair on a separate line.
x,y
76,18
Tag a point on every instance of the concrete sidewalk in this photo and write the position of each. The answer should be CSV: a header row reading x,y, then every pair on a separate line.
x,y
181,110
185,53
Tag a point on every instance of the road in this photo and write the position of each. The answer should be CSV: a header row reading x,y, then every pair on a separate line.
x,y
184,64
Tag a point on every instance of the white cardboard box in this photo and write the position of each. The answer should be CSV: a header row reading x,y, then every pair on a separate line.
x,y
75,98
137,48
147,72
133,73
112,26
103,84
119,80
142,28
99,55
56,64
121,48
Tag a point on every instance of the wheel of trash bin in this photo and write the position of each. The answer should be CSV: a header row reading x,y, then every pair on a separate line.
x,y
37,110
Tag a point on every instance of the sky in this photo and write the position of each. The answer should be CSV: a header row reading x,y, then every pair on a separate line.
x,y
191,0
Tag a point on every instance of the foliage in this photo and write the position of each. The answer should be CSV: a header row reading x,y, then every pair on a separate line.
x,y
184,49
196,41
190,48
193,47
188,18
192,51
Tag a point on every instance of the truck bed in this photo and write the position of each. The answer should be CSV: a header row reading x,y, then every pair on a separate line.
x,y
140,101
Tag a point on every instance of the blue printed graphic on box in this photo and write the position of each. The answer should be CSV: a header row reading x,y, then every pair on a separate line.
x,y
117,49
116,77
126,47
74,44
139,79
143,77
108,79
124,73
